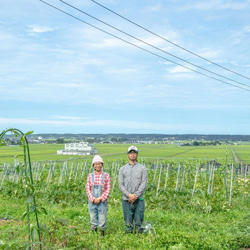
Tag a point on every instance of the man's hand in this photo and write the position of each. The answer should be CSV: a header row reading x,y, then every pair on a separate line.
x,y
132,198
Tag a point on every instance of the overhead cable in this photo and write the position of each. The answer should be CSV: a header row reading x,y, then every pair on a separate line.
x,y
163,38
150,52
140,40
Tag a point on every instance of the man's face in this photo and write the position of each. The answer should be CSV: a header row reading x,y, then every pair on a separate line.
x,y
132,155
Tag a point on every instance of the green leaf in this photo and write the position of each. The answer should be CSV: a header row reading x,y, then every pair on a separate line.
x,y
43,228
2,143
43,210
34,233
28,133
22,140
15,132
24,215
19,155
18,168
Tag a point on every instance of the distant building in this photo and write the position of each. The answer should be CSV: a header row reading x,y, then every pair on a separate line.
x,y
81,148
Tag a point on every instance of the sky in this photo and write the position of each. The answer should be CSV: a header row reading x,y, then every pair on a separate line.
x,y
189,75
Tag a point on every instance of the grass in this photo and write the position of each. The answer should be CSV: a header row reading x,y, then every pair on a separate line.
x,y
67,227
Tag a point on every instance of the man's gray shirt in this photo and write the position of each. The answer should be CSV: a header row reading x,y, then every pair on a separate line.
x,y
132,180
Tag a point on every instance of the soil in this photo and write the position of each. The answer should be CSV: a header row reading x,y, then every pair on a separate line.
x,y
4,222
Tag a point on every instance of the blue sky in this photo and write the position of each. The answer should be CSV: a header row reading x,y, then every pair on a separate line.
x,y
59,75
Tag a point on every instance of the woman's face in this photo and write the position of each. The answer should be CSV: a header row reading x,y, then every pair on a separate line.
x,y
98,166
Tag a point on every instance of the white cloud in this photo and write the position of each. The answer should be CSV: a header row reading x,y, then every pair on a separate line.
x,y
218,5
113,125
40,29
69,118
153,8
240,35
209,53
121,71
178,69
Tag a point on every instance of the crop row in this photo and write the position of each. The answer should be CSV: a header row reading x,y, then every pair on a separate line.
x,y
58,181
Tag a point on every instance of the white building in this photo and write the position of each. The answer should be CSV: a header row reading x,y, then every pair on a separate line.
x,y
81,148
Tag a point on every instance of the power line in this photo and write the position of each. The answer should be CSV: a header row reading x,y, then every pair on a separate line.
x,y
163,38
227,78
150,52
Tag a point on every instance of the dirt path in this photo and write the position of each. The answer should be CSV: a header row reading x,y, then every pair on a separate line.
x,y
236,158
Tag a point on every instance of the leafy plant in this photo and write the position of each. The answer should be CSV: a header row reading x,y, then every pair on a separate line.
x,y
29,184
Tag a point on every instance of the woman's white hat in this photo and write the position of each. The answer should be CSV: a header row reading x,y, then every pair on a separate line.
x,y
97,158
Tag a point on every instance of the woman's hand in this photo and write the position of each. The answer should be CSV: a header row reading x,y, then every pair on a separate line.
x,y
97,200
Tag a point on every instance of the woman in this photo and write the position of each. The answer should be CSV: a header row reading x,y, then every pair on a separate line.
x,y
98,188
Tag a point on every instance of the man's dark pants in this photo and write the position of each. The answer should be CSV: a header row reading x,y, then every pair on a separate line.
x,y
133,215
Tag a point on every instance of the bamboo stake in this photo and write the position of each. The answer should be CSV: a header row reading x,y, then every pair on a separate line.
x,y
5,173
49,173
83,169
155,171
53,170
35,167
189,181
183,177
209,178
76,172
42,168
197,170
213,168
231,186
201,178
61,175
177,179
114,175
14,176
15,179
245,176
66,170
72,164
159,181
166,178
225,177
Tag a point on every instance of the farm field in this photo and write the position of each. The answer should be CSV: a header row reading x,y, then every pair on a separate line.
x,y
191,201
47,152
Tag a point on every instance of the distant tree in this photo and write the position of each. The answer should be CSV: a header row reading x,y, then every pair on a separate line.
x,y
122,139
113,139
60,140
196,143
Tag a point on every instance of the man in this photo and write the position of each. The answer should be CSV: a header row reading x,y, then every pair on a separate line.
x,y
132,183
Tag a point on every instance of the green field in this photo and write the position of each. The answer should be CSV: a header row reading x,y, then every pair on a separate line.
x,y
190,202
47,152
